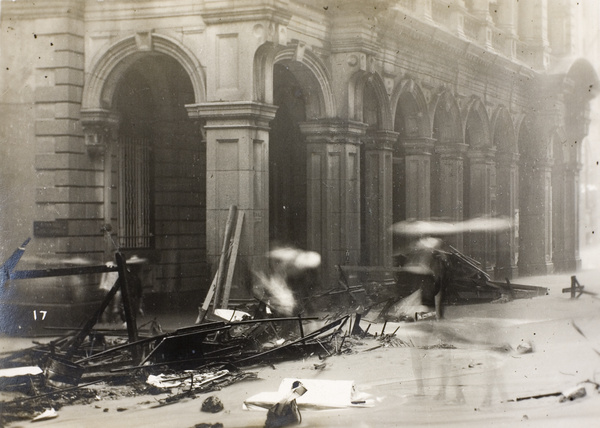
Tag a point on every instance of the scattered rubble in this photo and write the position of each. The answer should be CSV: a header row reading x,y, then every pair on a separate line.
x,y
88,364
212,405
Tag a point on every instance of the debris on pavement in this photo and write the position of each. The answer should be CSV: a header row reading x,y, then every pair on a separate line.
x,y
576,289
285,412
45,415
581,390
200,358
320,394
525,348
394,291
225,342
212,405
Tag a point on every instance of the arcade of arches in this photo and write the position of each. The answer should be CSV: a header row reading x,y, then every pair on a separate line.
x,y
323,129
337,185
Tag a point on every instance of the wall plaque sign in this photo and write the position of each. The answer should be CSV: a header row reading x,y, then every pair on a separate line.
x,y
50,229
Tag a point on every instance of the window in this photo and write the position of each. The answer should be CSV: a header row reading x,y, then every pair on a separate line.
x,y
135,202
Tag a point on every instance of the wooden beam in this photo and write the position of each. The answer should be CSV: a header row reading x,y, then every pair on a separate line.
x,y
232,261
224,254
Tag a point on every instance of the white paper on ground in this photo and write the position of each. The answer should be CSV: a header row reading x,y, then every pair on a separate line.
x,y
320,395
20,371
47,414
231,315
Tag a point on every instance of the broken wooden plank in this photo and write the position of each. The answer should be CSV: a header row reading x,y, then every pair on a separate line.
x,y
576,289
337,323
232,261
130,315
212,293
225,252
10,264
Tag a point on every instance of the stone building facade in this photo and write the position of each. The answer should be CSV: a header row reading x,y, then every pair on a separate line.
x,y
325,122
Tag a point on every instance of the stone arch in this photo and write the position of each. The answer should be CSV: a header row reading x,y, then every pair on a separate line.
x,y
306,68
411,174
109,66
359,83
447,161
446,118
535,199
409,103
582,80
532,145
145,80
479,191
561,152
504,137
477,125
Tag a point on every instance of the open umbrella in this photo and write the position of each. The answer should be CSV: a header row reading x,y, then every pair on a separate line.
x,y
422,227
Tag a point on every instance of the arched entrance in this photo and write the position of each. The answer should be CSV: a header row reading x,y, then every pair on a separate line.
x,y
507,245
158,163
448,164
412,159
535,200
287,162
479,184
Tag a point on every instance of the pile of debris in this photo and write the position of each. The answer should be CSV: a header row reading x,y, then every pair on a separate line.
x,y
223,343
200,358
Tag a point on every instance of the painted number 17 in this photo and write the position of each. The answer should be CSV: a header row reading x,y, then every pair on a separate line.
x,y
42,314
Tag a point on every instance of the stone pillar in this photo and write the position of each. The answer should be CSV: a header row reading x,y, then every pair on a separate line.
x,y
535,230
482,202
423,10
481,9
448,199
572,258
416,153
377,212
100,129
507,244
237,173
507,16
533,31
333,192
507,21
559,222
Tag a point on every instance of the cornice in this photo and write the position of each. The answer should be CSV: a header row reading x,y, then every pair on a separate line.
x,y
226,11
231,111
333,131
119,11
45,9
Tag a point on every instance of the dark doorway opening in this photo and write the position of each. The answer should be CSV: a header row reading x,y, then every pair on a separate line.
x,y
287,163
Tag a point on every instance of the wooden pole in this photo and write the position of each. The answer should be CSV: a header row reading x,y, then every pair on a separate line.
x,y
130,315
232,261
224,254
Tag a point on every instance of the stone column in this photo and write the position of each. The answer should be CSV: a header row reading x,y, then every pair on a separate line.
x,y
572,258
559,222
416,153
377,237
507,22
448,199
507,16
100,128
482,202
423,10
507,244
333,192
535,230
533,31
237,173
